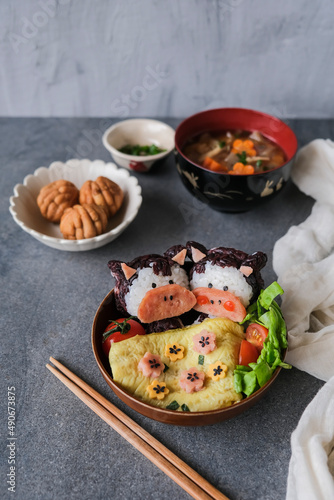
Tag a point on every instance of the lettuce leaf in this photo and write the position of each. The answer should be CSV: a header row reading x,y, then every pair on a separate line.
x,y
266,312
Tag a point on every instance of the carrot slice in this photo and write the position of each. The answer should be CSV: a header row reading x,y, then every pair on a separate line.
x,y
215,166
248,144
237,144
212,164
206,162
238,167
248,169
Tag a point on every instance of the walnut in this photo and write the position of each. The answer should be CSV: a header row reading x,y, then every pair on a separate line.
x,y
102,192
83,221
55,198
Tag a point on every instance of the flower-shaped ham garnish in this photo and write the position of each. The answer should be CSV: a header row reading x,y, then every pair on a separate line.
x,y
217,370
192,380
157,390
151,365
204,342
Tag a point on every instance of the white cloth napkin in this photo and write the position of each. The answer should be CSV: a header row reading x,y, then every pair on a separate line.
x,y
303,259
311,467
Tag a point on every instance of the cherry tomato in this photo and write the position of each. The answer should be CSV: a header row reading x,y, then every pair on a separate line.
x,y
256,335
120,329
248,353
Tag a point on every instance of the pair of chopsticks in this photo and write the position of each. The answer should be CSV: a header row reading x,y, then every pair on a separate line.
x,y
151,448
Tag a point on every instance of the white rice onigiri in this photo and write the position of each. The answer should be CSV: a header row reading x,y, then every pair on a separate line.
x,y
221,277
146,277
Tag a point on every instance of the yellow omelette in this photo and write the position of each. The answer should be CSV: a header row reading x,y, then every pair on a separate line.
x,y
125,356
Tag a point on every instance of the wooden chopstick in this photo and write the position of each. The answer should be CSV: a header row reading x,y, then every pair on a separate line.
x,y
156,452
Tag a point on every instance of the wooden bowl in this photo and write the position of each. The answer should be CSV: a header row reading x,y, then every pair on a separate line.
x,y
106,312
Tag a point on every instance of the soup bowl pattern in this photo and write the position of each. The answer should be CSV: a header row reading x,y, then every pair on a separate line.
x,y
234,193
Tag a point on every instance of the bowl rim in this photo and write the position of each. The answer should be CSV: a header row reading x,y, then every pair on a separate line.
x,y
162,412
136,158
246,110
62,242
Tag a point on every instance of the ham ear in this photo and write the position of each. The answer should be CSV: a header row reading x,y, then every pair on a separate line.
x,y
128,271
176,253
256,261
180,257
197,254
246,270
120,270
196,251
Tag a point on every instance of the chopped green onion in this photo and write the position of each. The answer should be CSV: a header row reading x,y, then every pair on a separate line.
x,y
222,144
201,359
242,157
258,163
184,407
137,150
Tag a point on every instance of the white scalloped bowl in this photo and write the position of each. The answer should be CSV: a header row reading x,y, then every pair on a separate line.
x,y
25,211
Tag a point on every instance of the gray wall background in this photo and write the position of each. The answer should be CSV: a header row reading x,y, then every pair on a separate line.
x,y
166,57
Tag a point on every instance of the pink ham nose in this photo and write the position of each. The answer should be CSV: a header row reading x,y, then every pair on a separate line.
x,y
165,302
219,303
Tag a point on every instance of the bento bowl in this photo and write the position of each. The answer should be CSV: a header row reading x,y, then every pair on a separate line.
x,y
107,311
234,193
25,211
142,131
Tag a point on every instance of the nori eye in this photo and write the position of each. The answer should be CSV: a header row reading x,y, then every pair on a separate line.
x,y
154,285
225,288
210,285
171,282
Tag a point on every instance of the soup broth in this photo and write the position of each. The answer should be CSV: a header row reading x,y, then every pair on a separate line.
x,y
234,152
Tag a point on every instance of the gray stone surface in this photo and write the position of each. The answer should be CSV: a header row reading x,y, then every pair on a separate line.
x,y
48,300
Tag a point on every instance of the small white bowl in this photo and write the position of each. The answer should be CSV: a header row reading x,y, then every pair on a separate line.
x,y
25,211
144,132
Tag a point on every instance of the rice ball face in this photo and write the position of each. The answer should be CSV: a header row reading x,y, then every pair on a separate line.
x,y
226,278
148,280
